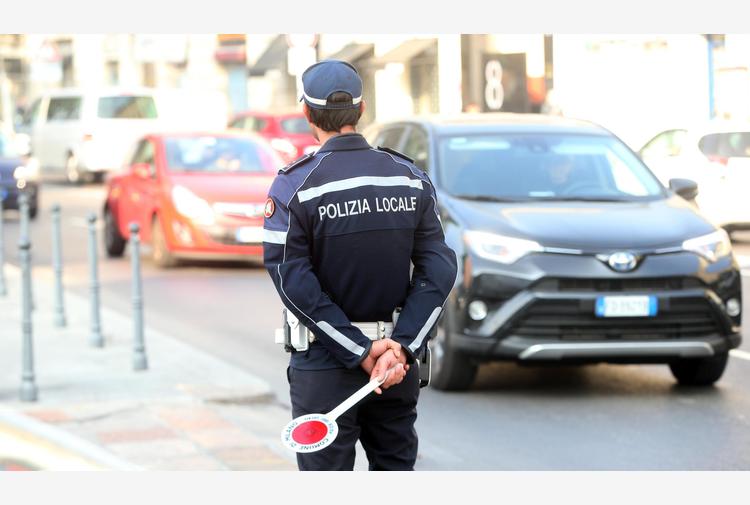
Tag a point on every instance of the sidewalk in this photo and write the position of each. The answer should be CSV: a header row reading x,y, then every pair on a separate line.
x,y
189,411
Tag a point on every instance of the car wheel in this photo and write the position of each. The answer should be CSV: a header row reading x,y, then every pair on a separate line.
x,y
114,242
160,253
699,372
451,369
72,173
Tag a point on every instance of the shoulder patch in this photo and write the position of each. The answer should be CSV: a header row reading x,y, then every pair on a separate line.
x,y
395,153
299,161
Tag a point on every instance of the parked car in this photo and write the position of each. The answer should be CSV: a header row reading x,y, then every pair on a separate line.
x,y
18,174
82,134
569,250
199,195
289,133
715,154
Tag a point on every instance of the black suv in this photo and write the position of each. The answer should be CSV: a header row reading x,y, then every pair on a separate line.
x,y
570,250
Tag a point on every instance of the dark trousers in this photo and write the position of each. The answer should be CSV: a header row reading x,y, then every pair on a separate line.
x,y
384,424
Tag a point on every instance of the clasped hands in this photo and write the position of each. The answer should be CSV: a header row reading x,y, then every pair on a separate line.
x,y
384,354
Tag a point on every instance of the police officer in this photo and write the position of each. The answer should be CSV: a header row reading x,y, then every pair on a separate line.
x,y
342,228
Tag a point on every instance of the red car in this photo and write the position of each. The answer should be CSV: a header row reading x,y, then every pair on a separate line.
x,y
198,195
288,133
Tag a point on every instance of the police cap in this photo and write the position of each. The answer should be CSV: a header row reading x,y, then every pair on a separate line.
x,y
326,77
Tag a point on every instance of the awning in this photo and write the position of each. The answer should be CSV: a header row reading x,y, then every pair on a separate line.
x,y
274,57
353,52
406,51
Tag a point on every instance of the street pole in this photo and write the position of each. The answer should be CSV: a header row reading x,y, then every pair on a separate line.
x,y
711,99
3,289
60,321
140,362
28,386
23,207
96,339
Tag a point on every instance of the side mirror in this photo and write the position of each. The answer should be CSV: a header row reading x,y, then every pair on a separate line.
x,y
141,170
686,188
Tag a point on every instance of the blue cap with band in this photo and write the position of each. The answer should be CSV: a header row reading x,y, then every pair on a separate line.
x,y
326,77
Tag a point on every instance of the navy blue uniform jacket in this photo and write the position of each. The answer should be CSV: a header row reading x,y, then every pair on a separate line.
x,y
339,236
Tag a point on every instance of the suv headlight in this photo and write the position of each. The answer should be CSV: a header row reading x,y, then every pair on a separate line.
x,y
192,207
500,248
712,246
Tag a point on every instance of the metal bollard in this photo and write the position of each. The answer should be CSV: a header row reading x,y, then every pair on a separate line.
x,y
23,207
60,321
140,361
28,386
96,339
3,290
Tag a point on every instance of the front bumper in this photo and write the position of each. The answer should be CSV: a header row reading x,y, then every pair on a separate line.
x,y
528,349
540,312
217,242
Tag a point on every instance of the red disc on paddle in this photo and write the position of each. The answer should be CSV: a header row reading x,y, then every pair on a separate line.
x,y
309,432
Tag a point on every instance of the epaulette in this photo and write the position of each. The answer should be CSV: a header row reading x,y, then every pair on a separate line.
x,y
299,161
396,153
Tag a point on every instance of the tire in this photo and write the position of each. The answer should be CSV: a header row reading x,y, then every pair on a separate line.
x,y
72,173
699,372
160,253
114,242
451,369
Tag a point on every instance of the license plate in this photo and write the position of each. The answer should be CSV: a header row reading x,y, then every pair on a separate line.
x,y
626,306
249,235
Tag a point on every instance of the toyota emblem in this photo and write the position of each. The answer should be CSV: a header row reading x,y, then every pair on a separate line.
x,y
622,261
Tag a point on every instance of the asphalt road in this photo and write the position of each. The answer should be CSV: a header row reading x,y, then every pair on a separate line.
x,y
527,418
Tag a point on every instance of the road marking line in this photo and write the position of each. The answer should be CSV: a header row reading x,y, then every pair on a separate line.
x,y
740,354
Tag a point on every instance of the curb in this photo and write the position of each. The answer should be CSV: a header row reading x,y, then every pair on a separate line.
x,y
51,448
261,389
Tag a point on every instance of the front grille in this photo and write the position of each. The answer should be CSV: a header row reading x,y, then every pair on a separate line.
x,y
575,320
621,284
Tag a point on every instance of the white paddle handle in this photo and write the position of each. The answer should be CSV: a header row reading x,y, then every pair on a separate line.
x,y
357,396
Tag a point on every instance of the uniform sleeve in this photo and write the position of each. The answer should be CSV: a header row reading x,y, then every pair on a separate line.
x,y
434,274
286,255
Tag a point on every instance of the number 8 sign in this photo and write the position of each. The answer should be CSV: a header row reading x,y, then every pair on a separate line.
x,y
494,95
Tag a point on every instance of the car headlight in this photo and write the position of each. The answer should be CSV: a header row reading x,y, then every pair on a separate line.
x,y
712,246
500,247
29,171
284,146
191,206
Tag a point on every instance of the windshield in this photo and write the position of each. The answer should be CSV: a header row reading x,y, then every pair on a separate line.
x,y
295,125
726,145
219,154
126,107
543,166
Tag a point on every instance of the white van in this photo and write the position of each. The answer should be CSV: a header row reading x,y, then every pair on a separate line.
x,y
83,134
